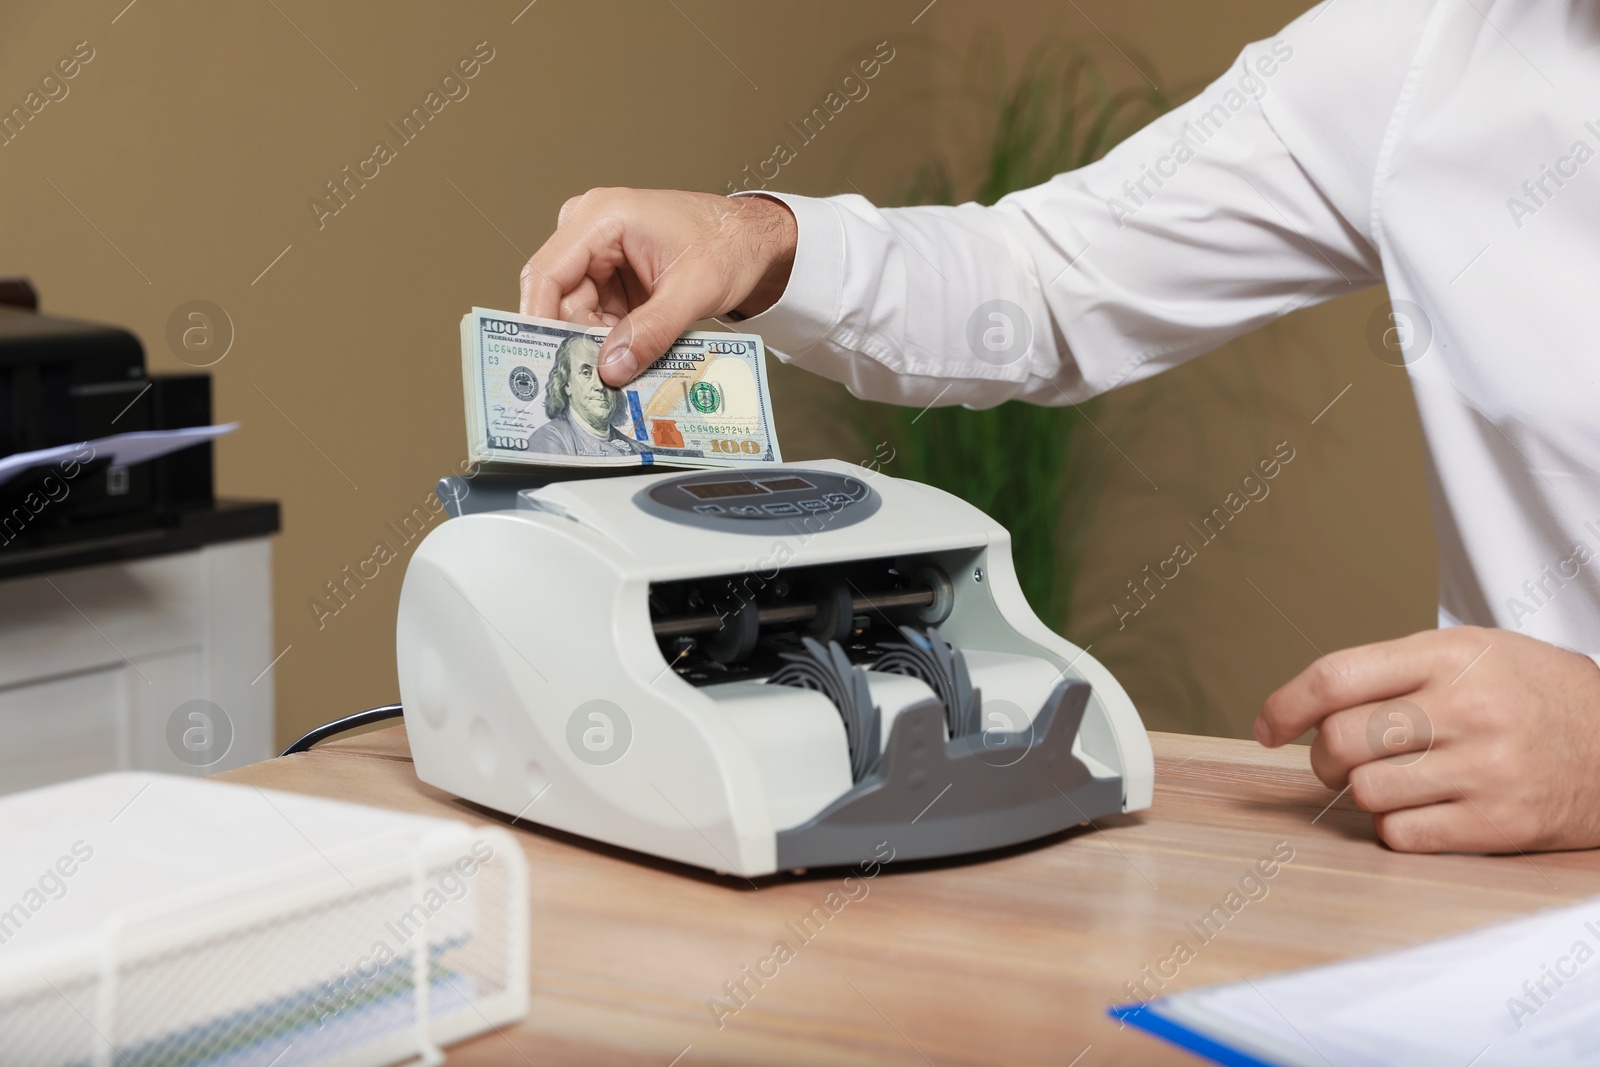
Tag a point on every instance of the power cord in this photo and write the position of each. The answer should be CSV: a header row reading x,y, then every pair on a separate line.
x,y
339,726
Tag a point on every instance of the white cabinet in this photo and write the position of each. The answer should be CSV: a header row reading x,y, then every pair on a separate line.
x,y
155,664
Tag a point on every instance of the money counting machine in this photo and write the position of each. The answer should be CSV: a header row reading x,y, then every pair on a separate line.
x,y
753,671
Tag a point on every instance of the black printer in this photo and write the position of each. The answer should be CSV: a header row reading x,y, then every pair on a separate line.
x,y
65,381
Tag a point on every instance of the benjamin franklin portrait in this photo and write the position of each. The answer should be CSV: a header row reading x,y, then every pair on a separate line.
x,y
585,414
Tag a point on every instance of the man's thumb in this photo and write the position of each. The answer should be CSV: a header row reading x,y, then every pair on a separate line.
x,y
642,337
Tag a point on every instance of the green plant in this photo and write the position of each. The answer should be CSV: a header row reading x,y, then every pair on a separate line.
x,y
1021,463
1057,113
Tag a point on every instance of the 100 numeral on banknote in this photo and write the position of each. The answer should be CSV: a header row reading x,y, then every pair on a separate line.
x,y
534,395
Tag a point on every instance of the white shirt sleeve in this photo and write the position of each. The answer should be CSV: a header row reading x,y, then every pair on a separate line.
x,y
1251,200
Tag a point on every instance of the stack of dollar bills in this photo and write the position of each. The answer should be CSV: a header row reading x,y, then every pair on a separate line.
x,y
534,395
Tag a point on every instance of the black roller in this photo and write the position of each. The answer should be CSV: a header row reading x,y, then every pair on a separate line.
x,y
827,670
738,635
940,665
835,613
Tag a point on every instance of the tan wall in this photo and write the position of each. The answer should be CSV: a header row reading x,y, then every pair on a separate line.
x,y
186,152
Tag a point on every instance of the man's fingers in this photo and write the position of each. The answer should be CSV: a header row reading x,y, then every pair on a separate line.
x,y
1346,679
569,208
614,303
582,304
1453,826
1349,738
589,249
1341,745
540,294
649,263
645,333
1408,781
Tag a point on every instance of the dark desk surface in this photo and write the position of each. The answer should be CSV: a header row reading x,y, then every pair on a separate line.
x,y
1009,959
128,538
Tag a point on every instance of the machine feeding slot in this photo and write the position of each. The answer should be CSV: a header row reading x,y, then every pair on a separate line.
x,y
739,626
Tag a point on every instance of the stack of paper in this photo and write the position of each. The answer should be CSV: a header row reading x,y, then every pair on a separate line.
x,y
123,449
1523,992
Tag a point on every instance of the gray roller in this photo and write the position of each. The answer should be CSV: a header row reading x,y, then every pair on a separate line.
x,y
933,660
827,670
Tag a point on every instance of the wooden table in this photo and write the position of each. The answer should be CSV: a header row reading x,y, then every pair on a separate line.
x,y
1012,958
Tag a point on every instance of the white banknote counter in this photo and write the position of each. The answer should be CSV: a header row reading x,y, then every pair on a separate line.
x,y
754,670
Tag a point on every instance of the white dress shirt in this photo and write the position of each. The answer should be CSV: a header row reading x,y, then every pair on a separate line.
x,y
1448,148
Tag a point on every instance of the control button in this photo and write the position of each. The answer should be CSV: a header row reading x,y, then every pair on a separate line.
x,y
709,509
813,504
782,509
747,510
838,500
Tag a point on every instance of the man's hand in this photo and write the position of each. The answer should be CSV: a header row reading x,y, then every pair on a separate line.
x,y
649,263
1459,740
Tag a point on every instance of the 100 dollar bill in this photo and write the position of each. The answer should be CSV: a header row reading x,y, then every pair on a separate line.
x,y
534,395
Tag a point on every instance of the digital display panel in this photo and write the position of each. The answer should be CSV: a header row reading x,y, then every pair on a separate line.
x,y
719,490
755,502
779,485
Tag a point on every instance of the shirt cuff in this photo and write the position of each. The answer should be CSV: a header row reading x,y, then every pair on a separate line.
x,y
812,302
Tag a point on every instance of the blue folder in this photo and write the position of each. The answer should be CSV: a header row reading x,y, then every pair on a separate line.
x,y
1148,1017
